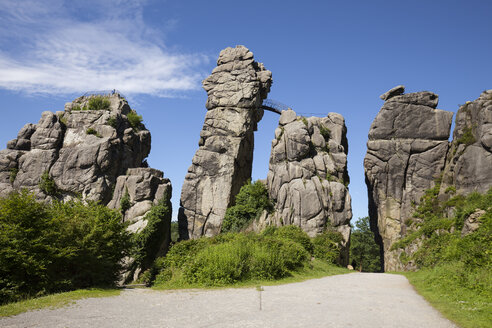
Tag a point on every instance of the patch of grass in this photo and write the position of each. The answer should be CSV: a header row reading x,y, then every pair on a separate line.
x,y
54,301
135,120
112,122
93,132
467,138
325,132
304,120
98,103
442,286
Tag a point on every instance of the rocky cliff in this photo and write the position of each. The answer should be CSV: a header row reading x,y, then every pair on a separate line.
x,y
469,160
408,153
95,150
77,152
307,178
223,161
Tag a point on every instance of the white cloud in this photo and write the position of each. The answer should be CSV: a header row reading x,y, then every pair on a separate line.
x,y
47,49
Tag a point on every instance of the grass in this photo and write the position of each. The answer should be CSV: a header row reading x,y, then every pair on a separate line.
x,y
54,301
465,307
315,270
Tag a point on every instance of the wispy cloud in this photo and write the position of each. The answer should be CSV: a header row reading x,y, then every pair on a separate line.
x,y
56,47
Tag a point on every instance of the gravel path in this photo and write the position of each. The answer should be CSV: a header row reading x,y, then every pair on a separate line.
x,y
350,300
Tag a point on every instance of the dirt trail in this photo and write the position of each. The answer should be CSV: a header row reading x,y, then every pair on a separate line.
x,y
350,300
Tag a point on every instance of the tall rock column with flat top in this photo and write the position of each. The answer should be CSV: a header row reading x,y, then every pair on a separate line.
x,y
406,153
223,162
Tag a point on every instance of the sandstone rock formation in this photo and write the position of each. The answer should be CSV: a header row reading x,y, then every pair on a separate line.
x,y
81,151
141,189
469,160
407,147
307,177
92,152
223,161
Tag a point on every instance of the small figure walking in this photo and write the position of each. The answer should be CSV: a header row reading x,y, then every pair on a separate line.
x,y
113,92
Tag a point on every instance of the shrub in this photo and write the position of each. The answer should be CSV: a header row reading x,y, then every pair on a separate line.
x,y
295,234
99,103
48,185
93,132
13,174
125,202
47,248
467,138
325,132
147,243
135,120
251,201
112,122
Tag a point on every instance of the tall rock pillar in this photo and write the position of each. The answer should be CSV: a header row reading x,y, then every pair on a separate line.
x,y
406,153
222,164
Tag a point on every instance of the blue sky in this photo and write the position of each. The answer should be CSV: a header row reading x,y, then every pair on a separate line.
x,y
325,56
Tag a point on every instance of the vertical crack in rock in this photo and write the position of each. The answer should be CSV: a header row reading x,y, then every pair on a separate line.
x,y
307,177
406,153
223,162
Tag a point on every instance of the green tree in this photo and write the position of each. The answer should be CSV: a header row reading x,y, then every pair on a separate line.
x,y
364,252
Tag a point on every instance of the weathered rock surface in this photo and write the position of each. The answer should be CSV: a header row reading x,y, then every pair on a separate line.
x,y
223,161
469,161
142,188
407,147
83,151
307,177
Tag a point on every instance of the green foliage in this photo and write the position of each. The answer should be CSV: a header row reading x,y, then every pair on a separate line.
x,y
46,248
304,120
48,185
93,132
62,119
125,202
13,174
327,246
467,138
78,108
174,231
135,120
233,257
295,234
325,132
251,200
147,243
99,103
112,121
364,252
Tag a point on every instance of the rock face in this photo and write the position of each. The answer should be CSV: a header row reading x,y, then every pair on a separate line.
x,y
89,153
307,177
469,161
141,189
81,151
223,161
407,147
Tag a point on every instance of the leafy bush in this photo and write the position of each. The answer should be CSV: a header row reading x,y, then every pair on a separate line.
x,y
125,202
234,257
112,121
48,185
146,244
295,234
46,248
98,103
325,132
467,138
364,252
135,120
251,200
